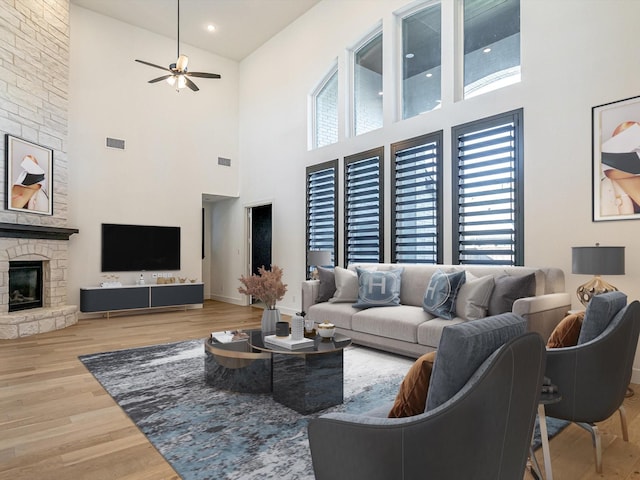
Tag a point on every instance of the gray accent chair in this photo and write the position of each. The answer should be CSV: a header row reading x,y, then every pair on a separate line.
x,y
593,376
479,420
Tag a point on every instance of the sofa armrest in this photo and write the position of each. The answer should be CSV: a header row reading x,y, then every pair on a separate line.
x,y
543,312
309,293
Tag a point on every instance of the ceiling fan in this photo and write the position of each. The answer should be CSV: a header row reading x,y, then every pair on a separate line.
x,y
178,73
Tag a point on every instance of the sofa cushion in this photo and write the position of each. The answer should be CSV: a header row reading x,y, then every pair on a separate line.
x,y
566,332
399,323
440,296
473,297
600,311
412,397
429,332
509,288
463,348
346,286
378,288
327,285
340,314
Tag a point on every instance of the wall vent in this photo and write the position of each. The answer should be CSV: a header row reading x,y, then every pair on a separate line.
x,y
115,143
224,161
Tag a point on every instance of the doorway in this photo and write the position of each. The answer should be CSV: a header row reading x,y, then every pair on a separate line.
x,y
260,234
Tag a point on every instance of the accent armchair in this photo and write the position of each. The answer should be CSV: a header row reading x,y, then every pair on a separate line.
x,y
593,376
478,423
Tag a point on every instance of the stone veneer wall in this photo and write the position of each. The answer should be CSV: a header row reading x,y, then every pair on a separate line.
x,y
34,85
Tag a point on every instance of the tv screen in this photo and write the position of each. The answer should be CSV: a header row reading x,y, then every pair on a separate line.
x,y
130,248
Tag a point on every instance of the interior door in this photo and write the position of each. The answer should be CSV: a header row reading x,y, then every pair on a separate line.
x,y
260,241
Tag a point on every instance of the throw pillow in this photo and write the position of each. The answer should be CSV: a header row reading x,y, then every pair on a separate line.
x,y
346,286
327,284
473,297
566,332
508,289
440,297
412,398
378,288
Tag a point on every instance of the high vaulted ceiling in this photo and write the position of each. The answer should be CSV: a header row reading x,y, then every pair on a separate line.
x,y
241,25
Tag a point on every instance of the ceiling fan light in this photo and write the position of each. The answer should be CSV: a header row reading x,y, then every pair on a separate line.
x,y
182,81
171,80
181,64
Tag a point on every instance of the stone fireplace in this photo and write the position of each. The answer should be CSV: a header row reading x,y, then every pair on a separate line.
x,y
48,246
25,285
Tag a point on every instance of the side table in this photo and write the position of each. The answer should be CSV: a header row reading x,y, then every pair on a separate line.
x,y
545,399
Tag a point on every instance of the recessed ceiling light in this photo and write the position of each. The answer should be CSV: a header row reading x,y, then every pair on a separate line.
x,y
211,28
486,50
409,55
429,75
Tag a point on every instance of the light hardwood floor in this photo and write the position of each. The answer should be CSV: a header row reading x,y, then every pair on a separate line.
x,y
57,422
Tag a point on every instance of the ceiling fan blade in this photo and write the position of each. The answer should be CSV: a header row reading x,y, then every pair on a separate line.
x,y
159,79
203,75
181,64
191,85
153,65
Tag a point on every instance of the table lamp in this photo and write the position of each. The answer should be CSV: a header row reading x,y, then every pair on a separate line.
x,y
596,261
318,258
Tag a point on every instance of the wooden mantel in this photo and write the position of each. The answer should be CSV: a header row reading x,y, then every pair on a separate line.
x,y
16,230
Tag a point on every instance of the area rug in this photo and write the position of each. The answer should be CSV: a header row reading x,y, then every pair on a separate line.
x,y
207,433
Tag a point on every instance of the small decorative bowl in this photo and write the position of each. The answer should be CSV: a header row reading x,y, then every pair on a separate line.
x,y
326,330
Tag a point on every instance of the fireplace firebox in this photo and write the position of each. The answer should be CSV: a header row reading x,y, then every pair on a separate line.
x,y
25,285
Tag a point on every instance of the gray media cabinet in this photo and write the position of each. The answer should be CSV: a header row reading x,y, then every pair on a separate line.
x,y
129,297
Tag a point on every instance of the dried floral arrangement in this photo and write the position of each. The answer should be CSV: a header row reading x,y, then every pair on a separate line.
x,y
267,286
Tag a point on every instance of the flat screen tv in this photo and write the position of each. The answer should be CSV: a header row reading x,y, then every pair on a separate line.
x,y
133,248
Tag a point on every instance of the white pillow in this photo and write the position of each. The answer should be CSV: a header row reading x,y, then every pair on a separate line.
x,y
473,297
346,286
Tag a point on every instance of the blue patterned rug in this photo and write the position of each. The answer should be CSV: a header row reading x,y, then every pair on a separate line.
x,y
206,433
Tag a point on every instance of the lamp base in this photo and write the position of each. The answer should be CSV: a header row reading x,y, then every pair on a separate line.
x,y
593,287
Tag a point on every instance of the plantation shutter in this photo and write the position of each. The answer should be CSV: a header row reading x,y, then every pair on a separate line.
x,y
321,207
363,208
488,192
416,208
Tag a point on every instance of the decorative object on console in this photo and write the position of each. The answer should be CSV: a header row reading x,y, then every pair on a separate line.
x,y
326,329
297,326
596,261
318,258
29,174
269,289
282,329
616,160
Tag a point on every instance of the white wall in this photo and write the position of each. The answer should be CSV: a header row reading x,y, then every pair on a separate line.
x,y
173,140
574,57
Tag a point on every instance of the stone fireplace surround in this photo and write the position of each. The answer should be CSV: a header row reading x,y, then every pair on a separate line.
x,y
50,245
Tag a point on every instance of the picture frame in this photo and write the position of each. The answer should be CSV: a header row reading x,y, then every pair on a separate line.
x,y
29,176
616,160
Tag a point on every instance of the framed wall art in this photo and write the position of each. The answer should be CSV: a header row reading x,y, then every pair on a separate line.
x,y
616,160
29,176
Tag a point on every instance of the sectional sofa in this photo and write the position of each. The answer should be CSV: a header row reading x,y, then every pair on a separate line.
x,y
406,328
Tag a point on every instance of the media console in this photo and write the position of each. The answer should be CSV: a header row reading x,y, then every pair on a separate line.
x,y
129,297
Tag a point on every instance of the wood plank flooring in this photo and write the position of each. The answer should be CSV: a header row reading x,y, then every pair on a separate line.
x,y
57,422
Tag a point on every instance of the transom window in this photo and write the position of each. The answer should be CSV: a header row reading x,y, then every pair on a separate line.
x,y
367,86
325,111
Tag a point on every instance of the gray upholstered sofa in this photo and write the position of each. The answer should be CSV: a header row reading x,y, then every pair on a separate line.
x,y
409,330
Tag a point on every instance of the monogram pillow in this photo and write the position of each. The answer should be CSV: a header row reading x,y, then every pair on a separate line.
x,y
378,288
440,297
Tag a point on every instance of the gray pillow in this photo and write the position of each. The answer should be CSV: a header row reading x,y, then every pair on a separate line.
x,y
440,296
378,288
346,286
600,311
463,348
508,289
327,284
473,297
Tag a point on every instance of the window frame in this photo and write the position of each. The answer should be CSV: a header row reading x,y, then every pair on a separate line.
x,y
515,117
375,152
310,170
437,138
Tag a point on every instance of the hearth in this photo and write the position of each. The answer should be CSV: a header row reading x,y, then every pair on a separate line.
x,y
25,285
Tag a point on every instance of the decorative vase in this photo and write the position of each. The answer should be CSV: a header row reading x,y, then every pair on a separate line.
x,y
269,319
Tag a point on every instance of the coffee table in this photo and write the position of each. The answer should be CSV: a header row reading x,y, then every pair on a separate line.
x,y
308,379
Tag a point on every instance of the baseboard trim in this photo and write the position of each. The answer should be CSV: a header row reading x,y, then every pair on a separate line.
x,y
635,375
